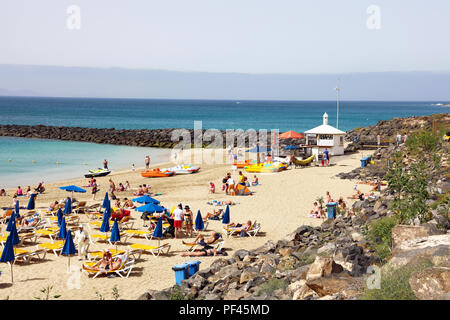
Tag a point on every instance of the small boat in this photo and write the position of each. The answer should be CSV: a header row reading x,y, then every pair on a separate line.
x,y
183,169
243,164
304,162
266,167
157,173
97,173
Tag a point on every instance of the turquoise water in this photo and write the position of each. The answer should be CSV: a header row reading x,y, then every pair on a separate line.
x,y
27,161
152,113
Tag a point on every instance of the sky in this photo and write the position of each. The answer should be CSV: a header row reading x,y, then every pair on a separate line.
x,y
237,36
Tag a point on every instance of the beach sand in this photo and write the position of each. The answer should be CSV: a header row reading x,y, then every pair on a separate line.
x,y
281,203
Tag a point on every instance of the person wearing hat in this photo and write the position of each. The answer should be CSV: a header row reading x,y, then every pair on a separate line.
x,y
82,241
188,220
177,219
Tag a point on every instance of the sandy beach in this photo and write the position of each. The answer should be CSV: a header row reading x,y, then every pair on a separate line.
x,y
281,203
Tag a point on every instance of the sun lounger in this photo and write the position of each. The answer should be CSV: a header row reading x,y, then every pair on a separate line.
x,y
4,219
55,247
81,207
99,254
51,233
103,237
251,232
142,233
218,245
19,255
123,271
138,248
205,223
39,253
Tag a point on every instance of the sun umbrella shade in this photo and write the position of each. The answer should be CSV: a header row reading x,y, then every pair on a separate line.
x,y
59,215
226,216
30,205
157,233
68,206
14,235
106,202
199,225
150,208
115,233
17,209
105,224
8,251
259,149
291,147
62,229
72,188
146,199
291,135
69,247
11,222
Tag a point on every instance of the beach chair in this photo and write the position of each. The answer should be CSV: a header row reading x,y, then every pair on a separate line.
x,y
205,223
39,225
81,207
21,255
123,271
251,232
138,249
55,247
130,233
103,237
73,219
39,253
94,255
4,219
217,245
49,232
31,236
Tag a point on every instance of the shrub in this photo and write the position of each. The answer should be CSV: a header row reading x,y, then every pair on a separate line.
x,y
379,235
395,284
271,285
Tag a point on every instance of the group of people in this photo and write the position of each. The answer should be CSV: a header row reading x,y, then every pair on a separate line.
x,y
318,212
228,183
21,193
142,190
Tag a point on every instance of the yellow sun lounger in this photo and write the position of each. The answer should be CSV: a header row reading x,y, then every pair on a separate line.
x,y
103,237
251,232
137,248
123,271
50,232
218,245
99,254
55,247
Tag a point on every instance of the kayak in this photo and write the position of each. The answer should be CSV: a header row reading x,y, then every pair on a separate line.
x,y
241,165
97,173
157,173
266,167
183,169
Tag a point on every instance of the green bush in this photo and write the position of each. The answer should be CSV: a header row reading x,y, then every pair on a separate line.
x,y
271,285
395,284
379,235
423,141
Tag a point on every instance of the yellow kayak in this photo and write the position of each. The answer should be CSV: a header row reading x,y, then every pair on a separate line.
x,y
265,167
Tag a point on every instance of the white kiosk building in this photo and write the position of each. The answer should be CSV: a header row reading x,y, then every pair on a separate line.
x,y
325,137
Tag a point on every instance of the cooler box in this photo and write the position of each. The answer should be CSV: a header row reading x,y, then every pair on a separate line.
x,y
193,267
181,272
331,210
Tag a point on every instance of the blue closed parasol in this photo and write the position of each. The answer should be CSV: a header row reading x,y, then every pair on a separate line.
x,y
59,215
115,233
14,235
105,223
62,229
69,247
31,202
17,209
11,222
226,215
8,254
199,225
106,202
68,206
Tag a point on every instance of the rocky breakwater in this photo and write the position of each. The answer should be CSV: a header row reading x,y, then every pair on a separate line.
x,y
388,130
158,138
325,262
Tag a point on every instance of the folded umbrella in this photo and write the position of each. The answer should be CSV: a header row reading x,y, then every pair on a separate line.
x,y
226,215
199,225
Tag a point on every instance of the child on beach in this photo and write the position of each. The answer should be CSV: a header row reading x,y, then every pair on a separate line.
x,y
255,181
94,189
212,188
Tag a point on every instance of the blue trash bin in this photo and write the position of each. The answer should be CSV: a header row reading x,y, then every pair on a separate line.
x,y
193,267
331,210
181,272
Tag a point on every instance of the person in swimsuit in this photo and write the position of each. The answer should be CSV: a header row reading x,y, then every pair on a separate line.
x,y
204,252
213,216
103,265
205,242
188,220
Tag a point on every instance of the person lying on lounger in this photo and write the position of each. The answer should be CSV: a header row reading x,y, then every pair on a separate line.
x,y
240,227
204,252
316,211
205,242
213,216
104,264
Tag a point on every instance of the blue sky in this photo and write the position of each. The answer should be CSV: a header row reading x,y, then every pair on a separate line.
x,y
245,36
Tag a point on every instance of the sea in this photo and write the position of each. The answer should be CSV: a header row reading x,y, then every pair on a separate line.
x,y
29,161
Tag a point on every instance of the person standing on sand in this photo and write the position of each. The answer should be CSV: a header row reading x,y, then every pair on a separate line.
x,y
105,164
189,218
177,219
94,189
132,167
147,162
327,153
82,239
378,140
